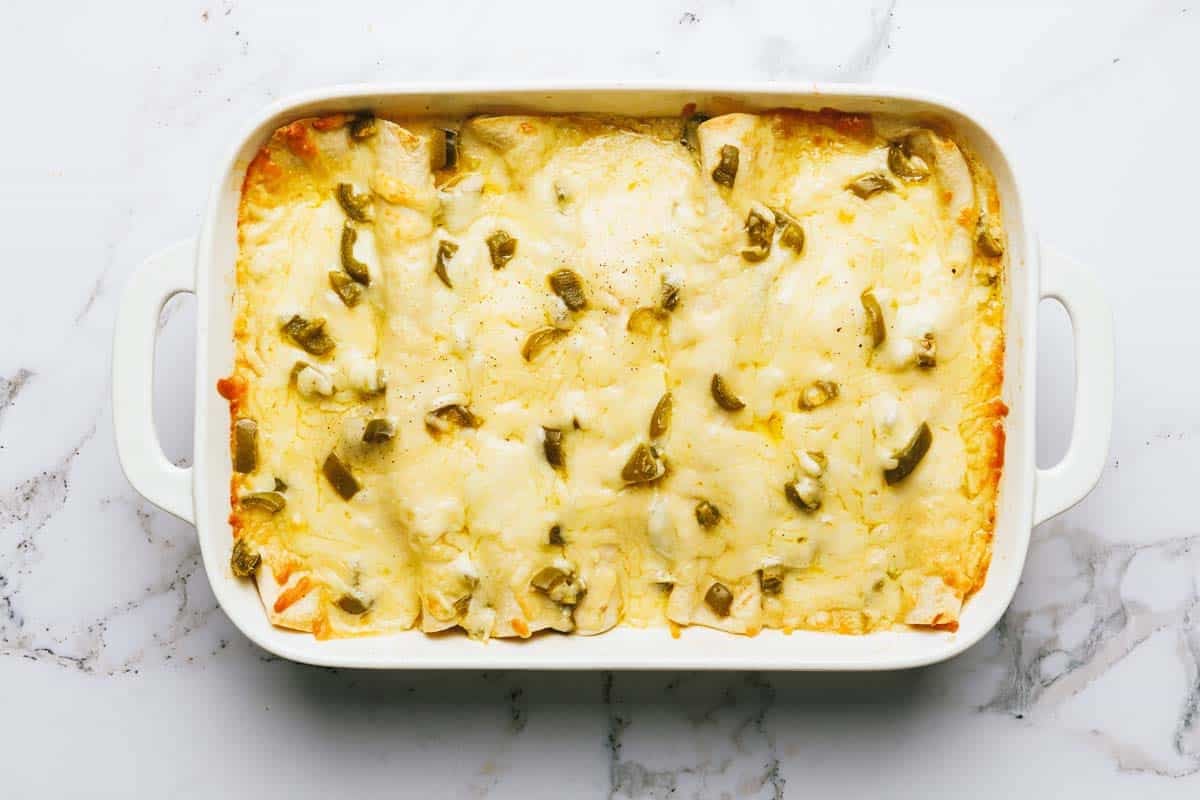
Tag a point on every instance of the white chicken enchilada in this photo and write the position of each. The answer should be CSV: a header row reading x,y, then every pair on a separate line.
x,y
520,373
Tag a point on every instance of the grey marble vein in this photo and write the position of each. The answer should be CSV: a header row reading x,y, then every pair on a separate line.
x,y
11,387
781,59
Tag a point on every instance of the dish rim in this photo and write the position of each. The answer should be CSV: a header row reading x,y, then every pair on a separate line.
x,y
209,266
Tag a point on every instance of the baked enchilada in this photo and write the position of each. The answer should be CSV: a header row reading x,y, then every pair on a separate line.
x,y
521,373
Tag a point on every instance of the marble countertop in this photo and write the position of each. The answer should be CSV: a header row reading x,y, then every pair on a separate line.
x,y
120,677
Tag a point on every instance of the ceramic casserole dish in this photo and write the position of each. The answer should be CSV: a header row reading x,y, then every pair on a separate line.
x,y
200,493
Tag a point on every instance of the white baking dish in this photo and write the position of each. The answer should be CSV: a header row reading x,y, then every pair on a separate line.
x,y
200,494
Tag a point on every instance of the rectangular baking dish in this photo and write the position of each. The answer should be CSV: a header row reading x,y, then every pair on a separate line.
x,y
200,494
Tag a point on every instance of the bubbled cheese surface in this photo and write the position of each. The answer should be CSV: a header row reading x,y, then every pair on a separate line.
x,y
453,523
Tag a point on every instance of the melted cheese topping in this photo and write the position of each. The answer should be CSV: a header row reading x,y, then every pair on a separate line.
x,y
461,519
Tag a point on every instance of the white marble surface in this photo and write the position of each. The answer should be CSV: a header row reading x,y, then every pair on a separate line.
x,y
120,677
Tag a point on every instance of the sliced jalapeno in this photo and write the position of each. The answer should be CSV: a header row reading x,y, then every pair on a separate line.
x,y
719,599
349,290
804,493
707,514
725,173
791,232
568,286
440,419
309,334
352,604
552,446
644,465
909,456
988,240
502,248
876,328
273,502
560,585
906,165
354,268
927,352
770,579
340,477
379,431
547,577
722,394
445,253
245,445
539,340
689,136
355,205
817,394
760,230
244,561
870,184
670,295
362,126
447,155
660,420
646,320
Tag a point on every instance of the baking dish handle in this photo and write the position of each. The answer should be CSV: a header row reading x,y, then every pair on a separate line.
x,y
1066,483
157,280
